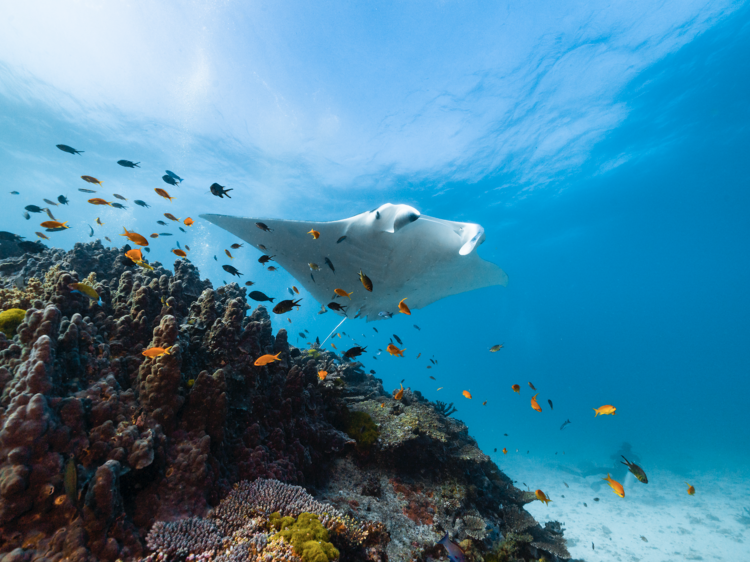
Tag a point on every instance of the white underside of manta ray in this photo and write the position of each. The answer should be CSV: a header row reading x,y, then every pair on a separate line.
x,y
405,255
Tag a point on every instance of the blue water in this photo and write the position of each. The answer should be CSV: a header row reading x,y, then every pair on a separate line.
x,y
626,242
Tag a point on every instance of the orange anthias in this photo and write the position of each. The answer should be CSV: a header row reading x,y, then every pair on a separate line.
x,y
516,388
171,217
403,308
91,179
341,293
180,253
315,234
136,255
322,375
266,359
541,497
54,224
163,193
535,404
399,393
99,201
135,238
605,410
690,490
189,222
615,485
505,451
467,394
157,351
393,350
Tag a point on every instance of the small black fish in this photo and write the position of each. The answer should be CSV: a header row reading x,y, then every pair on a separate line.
x,y
505,434
68,149
372,371
174,176
147,249
302,335
355,351
83,190
433,361
161,223
263,226
33,209
258,296
566,484
586,505
128,164
10,237
495,450
285,306
26,215
340,239
337,307
417,327
182,229
120,197
377,215
119,206
328,262
249,283
14,193
231,270
165,234
62,199
596,499
398,339
169,180
636,470
91,234
376,330
141,203
264,259
566,422
313,278
592,544
317,340
219,190
550,404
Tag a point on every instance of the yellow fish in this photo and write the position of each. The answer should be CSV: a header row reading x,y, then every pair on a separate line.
x,y
690,490
228,254
604,410
616,486
84,289
144,265
541,497
157,351
266,359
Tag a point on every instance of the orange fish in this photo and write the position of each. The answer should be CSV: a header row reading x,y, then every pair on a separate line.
x,y
163,193
157,351
690,490
393,350
135,238
189,222
171,217
484,403
231,257
91,179
315,234
99,201
534,404
403,308
399,393
180,253
266,359
322,375
154,235
54,224
296,290
334,347
532,386
505,451
516,388
604,410
541,497
135,255
616,486
467,394
343,293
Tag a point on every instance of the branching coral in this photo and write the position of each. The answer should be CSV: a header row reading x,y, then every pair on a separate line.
x,y
22,298
445,409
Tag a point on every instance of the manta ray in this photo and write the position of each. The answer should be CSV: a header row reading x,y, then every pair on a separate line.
x,y
405,254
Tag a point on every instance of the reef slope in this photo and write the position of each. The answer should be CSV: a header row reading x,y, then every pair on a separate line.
x,y
102,448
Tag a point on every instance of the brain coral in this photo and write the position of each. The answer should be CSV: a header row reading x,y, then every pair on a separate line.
x,y
10,320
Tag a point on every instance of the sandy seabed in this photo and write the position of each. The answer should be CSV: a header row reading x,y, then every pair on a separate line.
x,y
712,525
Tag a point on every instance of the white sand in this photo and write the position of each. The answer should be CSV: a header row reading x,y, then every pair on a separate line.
x,y
707,526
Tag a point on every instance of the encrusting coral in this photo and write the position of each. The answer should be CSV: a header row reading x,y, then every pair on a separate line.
x,y
10,320
308,537
106,454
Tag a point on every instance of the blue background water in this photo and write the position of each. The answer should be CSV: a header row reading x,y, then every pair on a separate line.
x,y
616,198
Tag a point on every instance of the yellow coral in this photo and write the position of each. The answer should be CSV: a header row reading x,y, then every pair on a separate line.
x,y
10,320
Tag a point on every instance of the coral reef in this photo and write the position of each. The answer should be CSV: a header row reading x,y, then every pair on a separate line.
x,y
108,455
10,320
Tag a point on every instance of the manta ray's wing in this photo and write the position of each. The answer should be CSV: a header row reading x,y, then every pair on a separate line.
x,y
417,259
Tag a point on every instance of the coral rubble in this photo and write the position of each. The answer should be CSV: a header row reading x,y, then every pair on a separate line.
x,y
109,455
